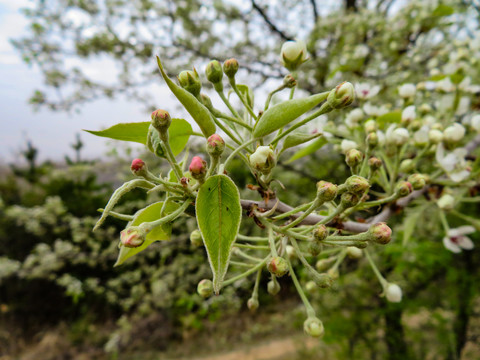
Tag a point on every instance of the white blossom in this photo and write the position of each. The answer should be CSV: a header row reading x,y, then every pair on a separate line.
x,y
366,91
456,239
421,136
475,122
407,91
396,136
409,114
454,132
372,110
445,85
446,202
348,145
453,163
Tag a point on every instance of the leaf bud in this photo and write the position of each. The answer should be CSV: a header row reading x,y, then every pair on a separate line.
x,y
273,287
289,81
190,81
374,163
326,191
205,288
253,304
263,159
277,266
320,232
353,158
161,120
313,326
132,237
380,233
196,238
446,202
403,188
214,72
230,67
293,54
357,184
215,145
418,181
138,167
198,168
354,252
342,96
314,247
393,293
349,199
324,264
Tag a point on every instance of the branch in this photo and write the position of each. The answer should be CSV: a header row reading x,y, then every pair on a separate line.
x,y
315,11
270,23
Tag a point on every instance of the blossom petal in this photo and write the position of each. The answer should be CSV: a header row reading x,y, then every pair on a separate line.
x,y
459,175
465,243
451,246
464,230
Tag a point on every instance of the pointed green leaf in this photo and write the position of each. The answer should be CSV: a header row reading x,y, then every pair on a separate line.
x,y
219,213
136,132
393,117
162,232
298,138
309,149
247,93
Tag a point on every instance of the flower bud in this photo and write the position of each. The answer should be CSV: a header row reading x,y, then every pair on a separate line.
x,y
214,72
291,253
407,91
132,237
206,101
324,264
407,165
310,286
475,123
323,281
342,96
404,188
196,238
215,145
357,184
263,159
273,287
293,54
380,233
313,327
374,164
326,191
353,158
349,199
314,247
333,273
372,140
454,133
277,266
198,168
398,137
138,167
393,293
446,202
230,67
320,232
161,120
408,114
370,126
425,108
354,252
418,181
205,288
190,81
253,304
435,136
347,145
289,81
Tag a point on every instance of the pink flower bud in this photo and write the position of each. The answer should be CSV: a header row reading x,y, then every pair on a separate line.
x,y
404,188
138,167
277,266
380,233
215,145
357,184
198,167
161,120
230,67
132,237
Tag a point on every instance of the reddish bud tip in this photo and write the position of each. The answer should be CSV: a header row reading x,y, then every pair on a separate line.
x,y
198,167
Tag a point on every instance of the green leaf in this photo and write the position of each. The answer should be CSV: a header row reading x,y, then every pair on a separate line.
x,y
298,138
393,117
136,132
437,77
219,213
162,232
307,150
247,93
443,10
178,134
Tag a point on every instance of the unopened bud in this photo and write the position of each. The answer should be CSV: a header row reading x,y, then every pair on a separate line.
x,y
132,237
263,159
293,54
326,191
435,136
380,233
206,101
353,158
313,326
214,72
196,238
342,96
404,188
215,145
418,181
446,202
289,81
190,81
310,286
454,133
322,280
407,165
161,120
138,167
273,287
349,199
291,253
314,247
372,140
374,164
357,184
324,264
198,168
407,91
205,288
253,304
230,67
333,273
393,293
354,252
320,232
370,126
277,266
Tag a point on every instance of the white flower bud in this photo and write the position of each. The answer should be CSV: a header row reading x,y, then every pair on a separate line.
x,y
400,136
347,145
435,136
354,252
407,91
293,54
421,136
475,123
408,114
355,115
263,159
393,293
454,133
370,126
446,202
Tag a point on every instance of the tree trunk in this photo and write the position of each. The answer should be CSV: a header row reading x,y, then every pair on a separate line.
x,y
351,5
